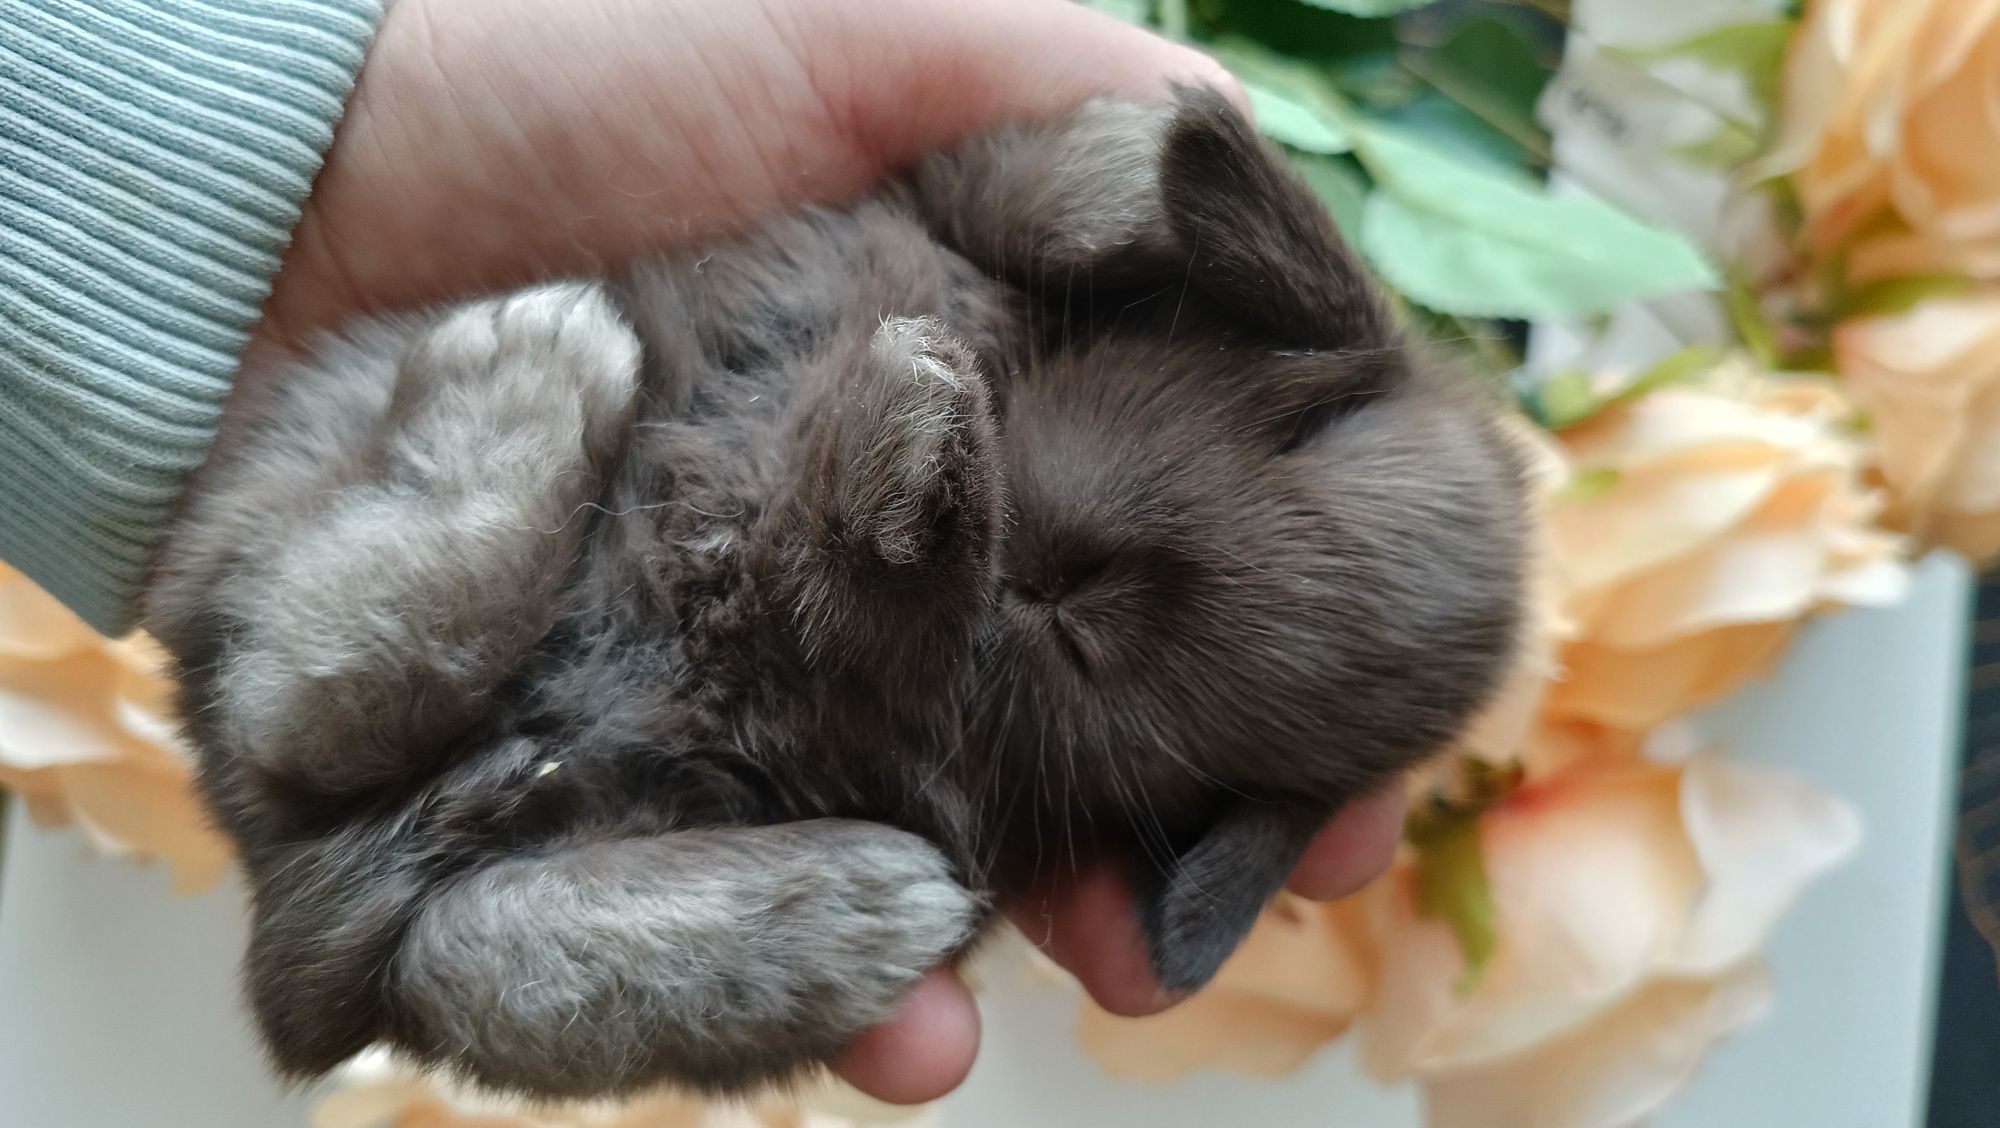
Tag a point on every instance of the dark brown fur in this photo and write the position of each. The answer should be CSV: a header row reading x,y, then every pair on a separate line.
x,y
614,687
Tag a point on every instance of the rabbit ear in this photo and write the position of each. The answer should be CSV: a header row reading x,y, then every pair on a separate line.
x,y
1195,913
1256,239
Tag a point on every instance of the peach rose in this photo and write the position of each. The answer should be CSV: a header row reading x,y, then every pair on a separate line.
x,y
1706,519
1889,127
1630,899
1930,382
375,1090
1612,1072
87,737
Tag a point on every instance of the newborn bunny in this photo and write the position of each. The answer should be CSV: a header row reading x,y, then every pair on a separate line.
x,y
634,682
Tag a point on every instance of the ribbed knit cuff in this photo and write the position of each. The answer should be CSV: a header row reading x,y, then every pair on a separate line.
x,y
153,158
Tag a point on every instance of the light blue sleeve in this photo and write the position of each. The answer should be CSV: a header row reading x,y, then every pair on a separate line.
x,y
153,158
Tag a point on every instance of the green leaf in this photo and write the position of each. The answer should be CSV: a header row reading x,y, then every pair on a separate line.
x,y
1892,296
1587,484
1489,72
1498,57
1479,241
1568,397
1756,48
1731,145
1753,328
1564,398
1377,79
1451,861
1815,357
1339,185
1452,887
1679,367
1754,51
1452,128
1368,8
1293,121
1131,11
1304,32
1293,103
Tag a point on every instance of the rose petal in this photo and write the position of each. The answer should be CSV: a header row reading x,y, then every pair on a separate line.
x,y
1889,109
34,626
1671,423
1940,179
1930,379
1637,690
1779,563
1654,516
1592,878
149,813
1729,500
375,1090
1256,1037
58,712
1612,1073
1762,836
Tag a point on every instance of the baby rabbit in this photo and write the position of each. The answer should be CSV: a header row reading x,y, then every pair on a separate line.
x,y
643,681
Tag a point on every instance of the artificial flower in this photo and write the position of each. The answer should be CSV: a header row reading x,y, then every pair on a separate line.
x,y
1929,379
87,737
1705,519
1630,896
1613,1072
376,1090
1890,123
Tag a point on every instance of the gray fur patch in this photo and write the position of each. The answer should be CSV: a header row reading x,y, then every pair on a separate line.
x,y
718,955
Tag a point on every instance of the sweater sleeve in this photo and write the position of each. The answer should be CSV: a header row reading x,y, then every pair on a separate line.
x,y
153,158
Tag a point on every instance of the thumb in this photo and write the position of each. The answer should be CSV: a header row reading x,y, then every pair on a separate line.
x,y
956,68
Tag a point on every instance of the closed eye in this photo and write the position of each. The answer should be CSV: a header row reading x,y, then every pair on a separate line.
x,y
1309,398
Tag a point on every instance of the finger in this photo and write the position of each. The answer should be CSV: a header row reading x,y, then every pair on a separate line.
x,y
974,64
627,125
921,1053
1089,924
1353,850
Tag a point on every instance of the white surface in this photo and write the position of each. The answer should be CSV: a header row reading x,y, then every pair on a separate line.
x,y
117,999
1869,707
117,1008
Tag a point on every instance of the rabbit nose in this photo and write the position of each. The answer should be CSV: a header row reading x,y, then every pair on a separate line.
x,y
1054,587
1038,593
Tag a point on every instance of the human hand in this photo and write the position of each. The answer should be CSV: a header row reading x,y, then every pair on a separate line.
x,y
492,142
1087,923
